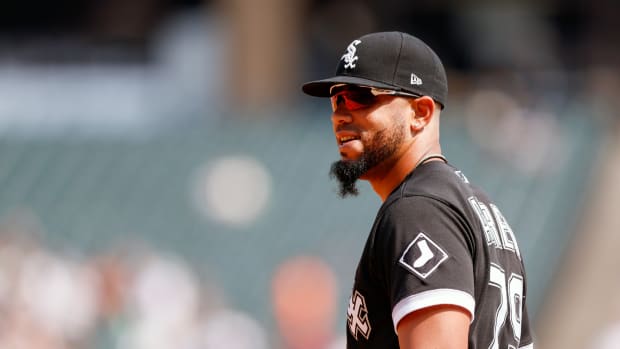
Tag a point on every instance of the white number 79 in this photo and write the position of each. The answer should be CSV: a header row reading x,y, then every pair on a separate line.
x,y
511,302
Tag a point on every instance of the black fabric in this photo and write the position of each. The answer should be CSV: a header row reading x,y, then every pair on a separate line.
x,y
391,60
435,211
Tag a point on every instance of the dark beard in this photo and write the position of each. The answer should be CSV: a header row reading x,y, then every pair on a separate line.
x,y
381,147
347,173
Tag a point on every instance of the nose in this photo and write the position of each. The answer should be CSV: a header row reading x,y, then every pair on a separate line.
x,y
339,118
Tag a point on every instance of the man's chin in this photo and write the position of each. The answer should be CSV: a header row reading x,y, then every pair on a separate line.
x,y
349,157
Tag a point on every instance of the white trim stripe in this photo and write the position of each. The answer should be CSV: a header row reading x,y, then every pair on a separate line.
x,y
431,298
529,346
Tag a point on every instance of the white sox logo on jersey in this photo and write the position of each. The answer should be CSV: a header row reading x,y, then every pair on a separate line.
x,y
422,256
357,316
350,58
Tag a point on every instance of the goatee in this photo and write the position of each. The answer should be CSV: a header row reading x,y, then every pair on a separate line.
x,y
347,173
380,148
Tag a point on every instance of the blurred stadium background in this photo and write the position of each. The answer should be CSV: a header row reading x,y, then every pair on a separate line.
x,y
163,181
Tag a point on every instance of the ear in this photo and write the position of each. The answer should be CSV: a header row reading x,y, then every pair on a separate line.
x,y
424,108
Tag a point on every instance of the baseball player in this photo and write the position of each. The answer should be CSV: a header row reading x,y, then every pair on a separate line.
x,y
441,267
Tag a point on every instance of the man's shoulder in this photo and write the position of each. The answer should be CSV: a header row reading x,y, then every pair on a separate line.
x,y
435,181
437,189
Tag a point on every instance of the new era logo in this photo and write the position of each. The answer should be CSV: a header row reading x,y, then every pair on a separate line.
x,y
415,80
422,256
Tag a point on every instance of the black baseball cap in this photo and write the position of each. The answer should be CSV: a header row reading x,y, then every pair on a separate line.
x,y
388,60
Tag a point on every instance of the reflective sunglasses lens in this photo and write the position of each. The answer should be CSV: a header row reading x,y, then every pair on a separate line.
x,y
336,100
353,99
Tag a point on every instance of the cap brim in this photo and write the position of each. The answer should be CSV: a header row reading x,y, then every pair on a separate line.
x,y
320,88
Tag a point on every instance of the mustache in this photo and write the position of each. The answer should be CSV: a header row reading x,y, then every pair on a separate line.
x,y
347,129
353,129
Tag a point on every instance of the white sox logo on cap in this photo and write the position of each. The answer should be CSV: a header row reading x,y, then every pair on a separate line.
x,y
350,58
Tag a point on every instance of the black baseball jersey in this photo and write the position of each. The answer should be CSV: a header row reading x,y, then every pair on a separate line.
x,y
439,240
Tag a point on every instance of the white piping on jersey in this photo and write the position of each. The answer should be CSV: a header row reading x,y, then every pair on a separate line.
x,y
529,346
430,298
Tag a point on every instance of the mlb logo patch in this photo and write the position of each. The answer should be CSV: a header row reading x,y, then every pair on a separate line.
x,y
422,256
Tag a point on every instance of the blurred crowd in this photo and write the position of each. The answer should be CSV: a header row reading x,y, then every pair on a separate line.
x,y
195,56
134,297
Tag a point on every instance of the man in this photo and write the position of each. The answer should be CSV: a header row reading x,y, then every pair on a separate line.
x,y
441,267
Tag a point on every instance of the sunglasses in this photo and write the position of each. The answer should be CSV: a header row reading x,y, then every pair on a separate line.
x,y
359,97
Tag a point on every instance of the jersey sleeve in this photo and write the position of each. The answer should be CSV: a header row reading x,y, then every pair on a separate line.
x,y
527,338
425,256
526,341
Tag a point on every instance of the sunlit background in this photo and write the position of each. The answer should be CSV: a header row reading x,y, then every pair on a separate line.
x,y
163,180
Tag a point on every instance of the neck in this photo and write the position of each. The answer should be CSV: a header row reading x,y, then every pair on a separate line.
x,y
390,175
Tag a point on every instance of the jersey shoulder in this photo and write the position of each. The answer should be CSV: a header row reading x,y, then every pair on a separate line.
x,y
438,181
